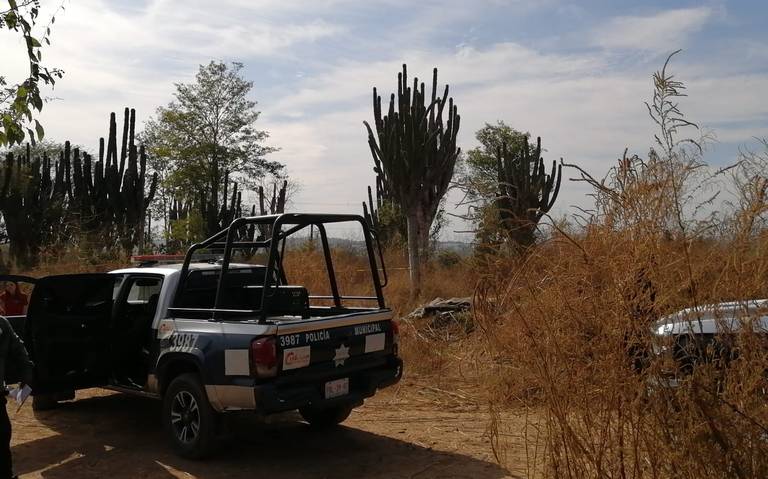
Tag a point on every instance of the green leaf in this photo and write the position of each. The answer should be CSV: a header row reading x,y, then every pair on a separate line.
x,y
40,131
37,102
34,42
31,137
10,20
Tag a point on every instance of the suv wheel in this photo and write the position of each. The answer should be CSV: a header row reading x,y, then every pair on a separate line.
x,y
326,417
188,418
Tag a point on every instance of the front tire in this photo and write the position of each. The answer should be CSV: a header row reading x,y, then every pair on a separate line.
x,y
326,417
188,419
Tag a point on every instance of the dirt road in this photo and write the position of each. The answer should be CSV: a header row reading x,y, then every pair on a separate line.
x,y
399,433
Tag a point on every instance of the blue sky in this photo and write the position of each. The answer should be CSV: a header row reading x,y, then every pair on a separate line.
x,y
575,73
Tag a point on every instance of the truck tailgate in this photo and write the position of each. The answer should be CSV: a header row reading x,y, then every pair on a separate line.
x,y
333,345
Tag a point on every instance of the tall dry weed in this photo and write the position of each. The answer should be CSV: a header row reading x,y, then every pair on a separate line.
x,y
570,326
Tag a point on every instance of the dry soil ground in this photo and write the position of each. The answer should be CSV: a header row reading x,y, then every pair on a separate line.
x,y
404,432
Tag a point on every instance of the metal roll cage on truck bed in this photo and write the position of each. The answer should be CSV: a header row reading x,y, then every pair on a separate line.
x,y
275,245
213,337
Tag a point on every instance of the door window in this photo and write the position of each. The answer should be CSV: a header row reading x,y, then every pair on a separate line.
x,y
143,289
139,305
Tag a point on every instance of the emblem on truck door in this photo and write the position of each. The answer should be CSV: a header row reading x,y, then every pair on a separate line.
x,y
342,353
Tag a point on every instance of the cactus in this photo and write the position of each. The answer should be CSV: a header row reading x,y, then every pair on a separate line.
x,y
32,203
371,212
229,209
110,197
267,206
105,201
414,155
277,204
384,217
179,210
526,191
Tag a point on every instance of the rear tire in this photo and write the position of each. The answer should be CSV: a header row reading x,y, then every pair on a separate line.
x,y
188,418
326,417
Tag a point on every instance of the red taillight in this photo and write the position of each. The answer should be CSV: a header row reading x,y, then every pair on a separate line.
x,y
395,337
264,357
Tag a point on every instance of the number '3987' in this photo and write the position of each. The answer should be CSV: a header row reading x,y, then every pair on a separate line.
x,y
290,340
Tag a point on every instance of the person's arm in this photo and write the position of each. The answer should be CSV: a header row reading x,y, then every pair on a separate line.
x,y
18,352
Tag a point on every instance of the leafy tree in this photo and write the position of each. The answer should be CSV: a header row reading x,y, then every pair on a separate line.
x,y
507,189
478,179
19,100
479,175
207,136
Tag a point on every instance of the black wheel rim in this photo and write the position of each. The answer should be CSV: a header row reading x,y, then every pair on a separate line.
x,y
185,417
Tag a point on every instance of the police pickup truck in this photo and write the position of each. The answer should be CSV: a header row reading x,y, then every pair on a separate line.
x,y
212,338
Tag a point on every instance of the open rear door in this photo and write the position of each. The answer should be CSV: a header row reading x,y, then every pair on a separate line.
x,y
67,331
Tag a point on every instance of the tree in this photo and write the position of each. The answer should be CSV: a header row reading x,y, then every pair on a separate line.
x,y
506,187
414,154
478,179
479,176
204,138
17,101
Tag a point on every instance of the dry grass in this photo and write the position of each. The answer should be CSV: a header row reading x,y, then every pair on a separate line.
x,y
564,331
569,326
442,358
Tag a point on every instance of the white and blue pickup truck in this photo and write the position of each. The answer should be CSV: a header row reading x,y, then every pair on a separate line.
x,y
210,338
706,333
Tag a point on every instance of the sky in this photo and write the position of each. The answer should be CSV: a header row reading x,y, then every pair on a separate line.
x,y
574,73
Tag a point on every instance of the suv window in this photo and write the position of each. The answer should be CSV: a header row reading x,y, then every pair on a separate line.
x,y
119,278
142,290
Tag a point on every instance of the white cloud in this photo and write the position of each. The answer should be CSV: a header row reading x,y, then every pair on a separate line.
x,y
664,31
585,108
113,58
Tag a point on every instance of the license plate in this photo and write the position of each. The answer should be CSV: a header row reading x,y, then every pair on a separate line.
x,y
336,388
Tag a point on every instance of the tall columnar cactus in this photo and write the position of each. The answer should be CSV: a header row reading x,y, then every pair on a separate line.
x,y
105,201
371,212
270,205
526,191
32,201
384,217
110,197
414,153
234,209
276,204
179,210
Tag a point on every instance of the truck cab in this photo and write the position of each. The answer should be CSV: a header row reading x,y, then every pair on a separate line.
x,y
214,337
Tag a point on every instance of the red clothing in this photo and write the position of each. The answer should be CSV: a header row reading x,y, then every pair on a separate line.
x,y
15,304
